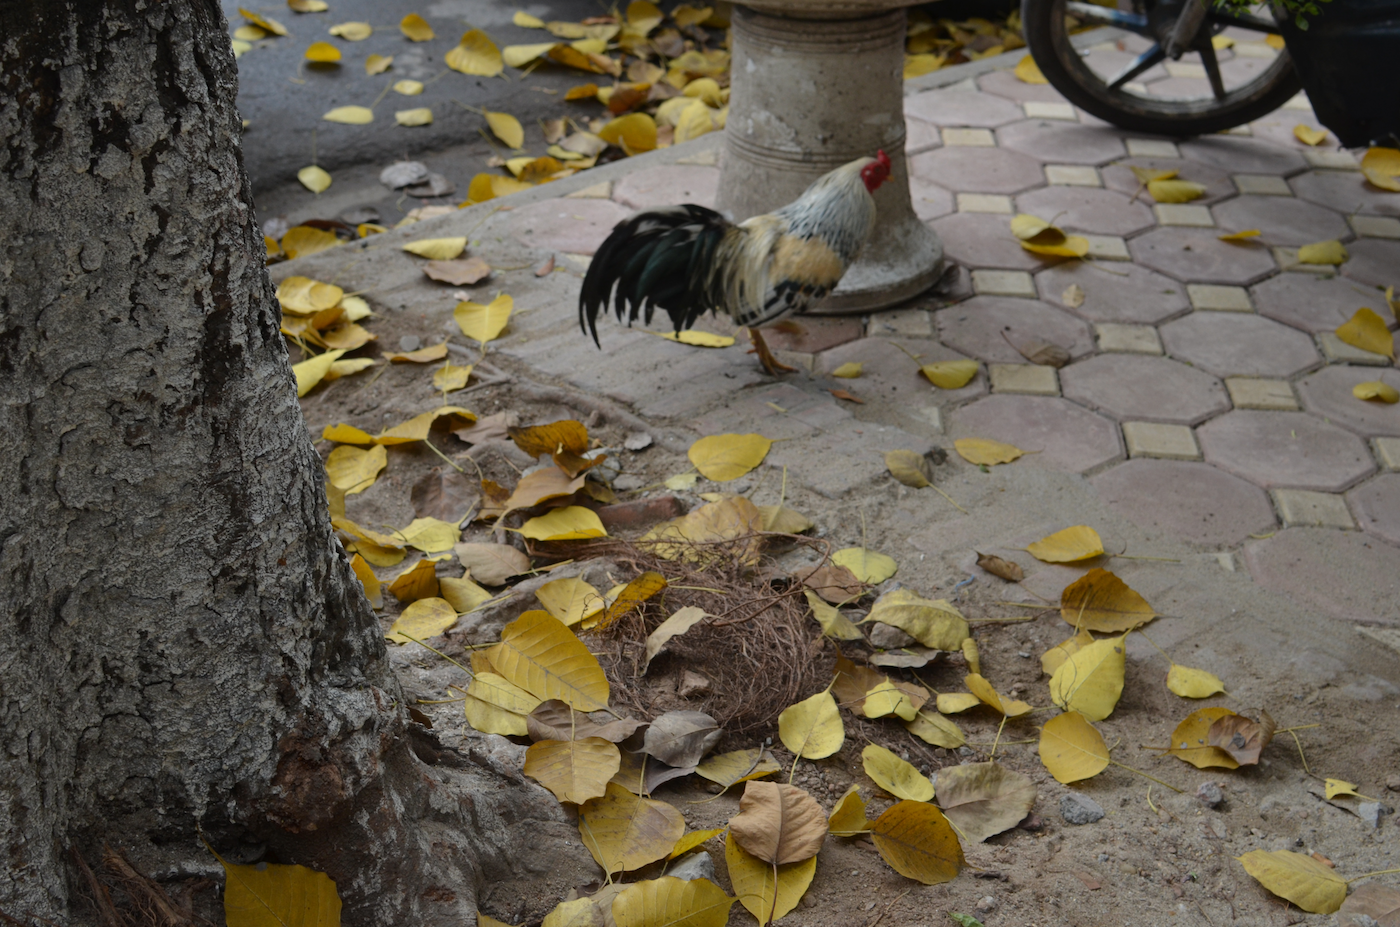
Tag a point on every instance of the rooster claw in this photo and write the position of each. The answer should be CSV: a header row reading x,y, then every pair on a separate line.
x,y
765,355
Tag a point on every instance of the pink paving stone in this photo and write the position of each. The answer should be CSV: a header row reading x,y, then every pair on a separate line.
x,y
1199,256
1057,142
1310,303
930,200
962,108
1107,63
976,328
666,185
1345,574
1239,71
979,239
810,334
1179,87
1085,209
920,136
1376,504
1007,84
1130,293
575,226
1119,176
1277,127
1068,437
1285,450
1328,393
1283,220
1235,154
1192,501
977,170
1374,261
893,376
1139,388
1231,344
1346,192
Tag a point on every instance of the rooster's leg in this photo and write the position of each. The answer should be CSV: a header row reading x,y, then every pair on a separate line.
x,y
765,356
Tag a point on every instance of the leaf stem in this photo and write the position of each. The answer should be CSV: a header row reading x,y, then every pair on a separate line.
x,y
1148,776
436,651
1368,875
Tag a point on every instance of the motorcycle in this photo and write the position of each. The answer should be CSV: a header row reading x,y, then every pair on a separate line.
x,y
1342,53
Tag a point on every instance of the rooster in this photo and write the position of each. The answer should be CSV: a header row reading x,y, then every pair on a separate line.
x,y
688,259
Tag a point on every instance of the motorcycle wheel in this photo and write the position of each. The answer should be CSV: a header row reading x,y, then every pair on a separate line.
x,y
1107,97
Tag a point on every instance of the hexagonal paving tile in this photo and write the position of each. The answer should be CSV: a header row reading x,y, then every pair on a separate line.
x,y
962,108
920,136
1144,388
1057,142
1376,504
1109,61
1131,293
1285,450
977,170
1374,261
1344,574
1239,344
573,226
1346,192
979,239
1235,154
892,375
976,328
1194,501
1179,87
930,200
1007,84
1239,70
666,185
1277,127
1328,393
1313,304
1068,437
1119,176
1198,256
1283,220
1085,209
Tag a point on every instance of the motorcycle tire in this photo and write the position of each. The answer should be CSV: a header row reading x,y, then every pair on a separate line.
x,y
1043,22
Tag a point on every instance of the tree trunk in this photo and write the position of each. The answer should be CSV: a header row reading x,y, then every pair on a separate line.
x,y
183,646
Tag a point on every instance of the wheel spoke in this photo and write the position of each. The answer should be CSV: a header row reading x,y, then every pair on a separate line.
x,y
1147,59
1212,66
1093,13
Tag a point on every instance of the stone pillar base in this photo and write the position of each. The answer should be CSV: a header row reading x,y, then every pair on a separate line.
x,y
809,95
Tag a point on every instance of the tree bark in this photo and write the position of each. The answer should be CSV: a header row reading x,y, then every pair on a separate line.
x,y
183,646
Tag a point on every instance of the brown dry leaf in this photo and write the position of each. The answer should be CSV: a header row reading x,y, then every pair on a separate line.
x,y
843,394
493,501
682,738
1073,296
417,582
1100,601
460,272
541,486
625,832
492,564
632,595
445,495
834,583
778,824
553,719
984,799
565,441
1189,740
910,468
1243,738
574,770
1379,902
918,842
852,681
1005,569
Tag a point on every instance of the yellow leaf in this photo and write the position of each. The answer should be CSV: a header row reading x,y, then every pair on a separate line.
x,y
323,53
970,654
574,770
580,92
1027,227
417,582
643,15
848,371
428,355
727,457
1236,237
1071,748
463,594
451,377
1190,740
422,116
918,842
344,524
934,623
783,520
625,832
407,88
352,32
753,882
692,840
1146,175
1367,330
1221,42
494,689
417,428
812,728
1311,885
506,127
310,372
572,522
374,591
910,468
1274,41
739,766
672,902
431,535
1065,246
989,696
935,729
303,296
695,121
834,624
517,56
581,912
682,481
437,249
269,25
866,565
848,817
423,619
894,775
346,337
484,322
1068,546
275,894
1375,389
570,599
476,54
921,64
541,655
687,15
985,451
415,28
378,64
489,186
633,594
950,374
302,240
355,470
1028,72
1335,787
1091,680
1308,135
354,306
952,703
683,620
1323,252
1175,191
350,115
1193,683
1381,166
1100,601
887,699
633,133
243,37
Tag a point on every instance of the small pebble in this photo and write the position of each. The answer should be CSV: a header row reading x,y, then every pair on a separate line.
x,y
987,905
637,440
1024,654
410,343
1080,809
1209,794
1393,783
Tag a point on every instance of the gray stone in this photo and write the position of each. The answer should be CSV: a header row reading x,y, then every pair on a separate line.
x,y
692,866
888,637
1370,812
638,440
1209,794
1080,809
403,173
410,343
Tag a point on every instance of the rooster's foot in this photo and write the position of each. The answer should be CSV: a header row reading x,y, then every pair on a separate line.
x,y
765,355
